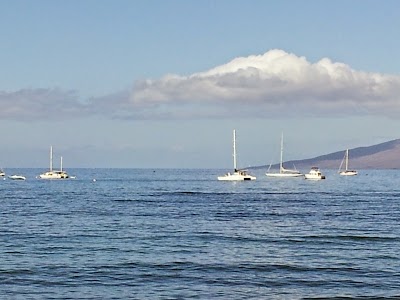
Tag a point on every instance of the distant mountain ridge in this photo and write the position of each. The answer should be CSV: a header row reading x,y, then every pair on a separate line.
x,y
380,156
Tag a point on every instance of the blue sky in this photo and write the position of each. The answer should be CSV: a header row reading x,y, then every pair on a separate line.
x,y
154,84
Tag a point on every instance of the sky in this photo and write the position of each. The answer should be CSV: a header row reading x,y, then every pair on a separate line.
x,y
162,84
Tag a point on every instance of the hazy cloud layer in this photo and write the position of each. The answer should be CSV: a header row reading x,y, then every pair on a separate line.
x,y
273,84
40,104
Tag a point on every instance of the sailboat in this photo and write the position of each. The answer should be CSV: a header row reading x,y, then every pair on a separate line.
x,y
54,174
286,173
237,175
346,171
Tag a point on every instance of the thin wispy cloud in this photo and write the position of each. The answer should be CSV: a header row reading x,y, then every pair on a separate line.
x,y
273,84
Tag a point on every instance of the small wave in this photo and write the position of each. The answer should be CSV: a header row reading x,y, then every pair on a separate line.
x,y
351,238
353,298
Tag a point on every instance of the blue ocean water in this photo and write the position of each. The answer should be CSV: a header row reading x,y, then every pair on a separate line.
x,y
181,234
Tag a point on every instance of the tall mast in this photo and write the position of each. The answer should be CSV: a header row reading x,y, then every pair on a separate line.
x,y
347,159
281,163
51,158
61,164
234,149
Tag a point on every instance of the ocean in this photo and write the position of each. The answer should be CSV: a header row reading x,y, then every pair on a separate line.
x,y
181,234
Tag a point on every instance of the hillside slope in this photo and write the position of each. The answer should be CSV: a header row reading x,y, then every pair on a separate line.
x,y
381,156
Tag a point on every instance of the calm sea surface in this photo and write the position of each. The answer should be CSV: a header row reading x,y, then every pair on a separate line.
x,y
181,234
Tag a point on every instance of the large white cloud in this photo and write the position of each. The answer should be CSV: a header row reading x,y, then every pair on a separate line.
x,y
273,84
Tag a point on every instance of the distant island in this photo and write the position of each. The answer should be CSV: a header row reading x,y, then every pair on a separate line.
x,y
381,156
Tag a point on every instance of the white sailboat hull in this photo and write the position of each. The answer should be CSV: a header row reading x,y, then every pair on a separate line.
x,y
285,175
54,175
348,173
236,176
